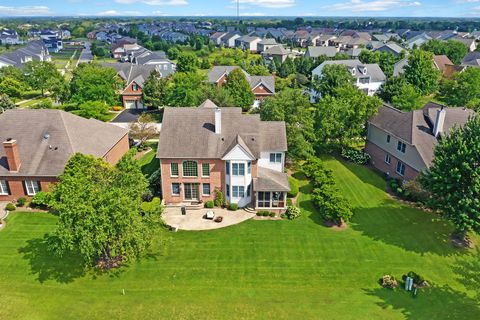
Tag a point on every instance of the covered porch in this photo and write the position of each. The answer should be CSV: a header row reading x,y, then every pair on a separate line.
x,y
270,189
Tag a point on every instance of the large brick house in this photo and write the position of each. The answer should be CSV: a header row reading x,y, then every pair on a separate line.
x,y
401,144
262,86
36,145
134,77
208,148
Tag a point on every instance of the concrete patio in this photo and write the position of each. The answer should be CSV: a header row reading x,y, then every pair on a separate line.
x,y
194,220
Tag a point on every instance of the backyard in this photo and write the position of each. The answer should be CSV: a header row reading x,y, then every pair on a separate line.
x,y
256,270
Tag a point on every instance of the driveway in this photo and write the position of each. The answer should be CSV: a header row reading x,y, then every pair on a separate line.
x,y
128,116
194,220
86,54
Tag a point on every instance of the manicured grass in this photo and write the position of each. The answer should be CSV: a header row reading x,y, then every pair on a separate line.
x,y
148,162
256,270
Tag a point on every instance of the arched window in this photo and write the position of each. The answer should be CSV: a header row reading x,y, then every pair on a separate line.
x,y
190,169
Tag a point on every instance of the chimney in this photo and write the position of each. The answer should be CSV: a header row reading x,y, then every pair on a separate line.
x,y
438,127
218,120
13,156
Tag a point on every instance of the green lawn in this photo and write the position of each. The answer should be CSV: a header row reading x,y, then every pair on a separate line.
x,y
256,270
148,162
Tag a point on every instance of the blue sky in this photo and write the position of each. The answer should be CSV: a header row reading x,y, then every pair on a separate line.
x,y
404,8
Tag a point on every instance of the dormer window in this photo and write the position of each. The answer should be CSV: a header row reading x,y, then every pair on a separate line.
x,y
135,87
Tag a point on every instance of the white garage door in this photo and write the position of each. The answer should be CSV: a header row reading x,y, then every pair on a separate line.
x,y
130,104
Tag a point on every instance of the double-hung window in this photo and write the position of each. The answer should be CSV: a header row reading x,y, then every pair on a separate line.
x,y
238,191
3,188
238,169
190,169
174,169
32,187
400,168
205,170
227,167
206,189
401,147
275,157
176,189
388,159
249,167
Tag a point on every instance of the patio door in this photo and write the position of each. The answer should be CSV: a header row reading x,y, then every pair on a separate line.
x,y
191,191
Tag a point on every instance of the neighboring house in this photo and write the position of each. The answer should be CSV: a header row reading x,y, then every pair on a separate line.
x,y
119,49
262,86
134,77
353,53
8,36
392,48
266,44
471,44
35,50
439,61
471,59
228,40
401,144
217,37
38,143
276,52
324,40
368,77
248,43
417,40
52,40
315,52
208,148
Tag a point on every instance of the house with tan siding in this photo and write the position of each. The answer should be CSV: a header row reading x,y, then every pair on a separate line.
x,y
37,144
208,148
401,144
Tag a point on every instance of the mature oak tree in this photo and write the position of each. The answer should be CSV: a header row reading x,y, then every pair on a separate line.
x,y
454,177
334,76
93,82
463,90
421,72
154,90
239,88
99,211
39,74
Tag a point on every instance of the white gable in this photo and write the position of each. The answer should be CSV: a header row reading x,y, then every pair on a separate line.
x,y
237,153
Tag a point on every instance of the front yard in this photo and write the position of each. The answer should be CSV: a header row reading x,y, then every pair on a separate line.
x,y
256,270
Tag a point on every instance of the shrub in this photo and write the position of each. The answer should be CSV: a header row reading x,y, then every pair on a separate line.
x,y
10,207
389,282
413,191
152,208
209,204
21,202
219,198
265,213
355,155
233,207
293,187
117,108
289,202
42,199
272,214
155,183
332,206
293,212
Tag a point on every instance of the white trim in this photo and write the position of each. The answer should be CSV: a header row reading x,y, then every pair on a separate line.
x,y
30,183
3,188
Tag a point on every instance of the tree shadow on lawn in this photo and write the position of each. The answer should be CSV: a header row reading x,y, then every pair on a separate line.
x,y
430,303
467,269
48,266
406,227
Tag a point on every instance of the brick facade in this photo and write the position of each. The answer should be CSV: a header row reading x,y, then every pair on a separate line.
x,y
129,94
378,161
16,184
216,179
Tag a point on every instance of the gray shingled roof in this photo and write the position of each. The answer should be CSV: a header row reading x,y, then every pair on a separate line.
x,y
415,127
315,52
218,71
278,50
270,180
373,70
68,134
190,133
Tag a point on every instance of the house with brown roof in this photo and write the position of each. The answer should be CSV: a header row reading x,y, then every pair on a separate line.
x,y
262,86
401,144
208,148
37,144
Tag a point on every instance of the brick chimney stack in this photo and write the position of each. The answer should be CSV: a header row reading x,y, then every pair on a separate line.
x,y
13,156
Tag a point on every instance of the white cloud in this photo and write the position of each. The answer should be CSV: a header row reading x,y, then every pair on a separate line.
x,y
269,3
252,14
371,6
156,2
25,11
113,13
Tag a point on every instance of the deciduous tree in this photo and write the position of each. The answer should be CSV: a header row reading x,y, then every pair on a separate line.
x,y
239,88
